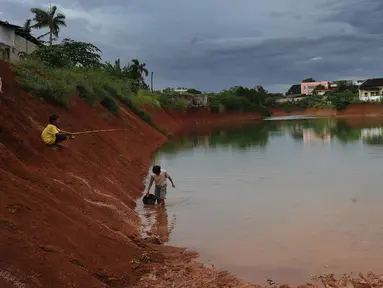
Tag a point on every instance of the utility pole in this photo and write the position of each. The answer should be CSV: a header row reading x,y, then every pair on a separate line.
x,y
151,81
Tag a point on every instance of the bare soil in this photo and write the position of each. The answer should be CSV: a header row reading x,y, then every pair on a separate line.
x,y
67,219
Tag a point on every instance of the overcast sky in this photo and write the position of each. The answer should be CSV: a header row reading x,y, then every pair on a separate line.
x,y
215,44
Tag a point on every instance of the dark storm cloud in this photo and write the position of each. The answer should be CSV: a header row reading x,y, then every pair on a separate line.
x,y
365,16
214,44
287,60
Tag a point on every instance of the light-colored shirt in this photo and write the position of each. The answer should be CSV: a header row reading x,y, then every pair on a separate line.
x,y
49,134
160,179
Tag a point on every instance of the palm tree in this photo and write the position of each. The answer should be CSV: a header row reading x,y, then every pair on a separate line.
x,y
137,69
27,28
49,19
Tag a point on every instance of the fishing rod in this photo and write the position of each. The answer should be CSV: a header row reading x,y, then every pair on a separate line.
x,y
98,131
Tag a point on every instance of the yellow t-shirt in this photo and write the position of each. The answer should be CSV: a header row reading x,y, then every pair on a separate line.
x,y
49,134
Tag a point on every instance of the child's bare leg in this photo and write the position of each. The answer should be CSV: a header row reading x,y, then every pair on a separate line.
x,y
161,202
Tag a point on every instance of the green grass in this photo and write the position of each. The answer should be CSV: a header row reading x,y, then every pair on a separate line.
x,y
172,101
109,103
53,90
58,85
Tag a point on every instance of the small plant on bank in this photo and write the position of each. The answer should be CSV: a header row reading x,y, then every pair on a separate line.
x,y
87,94
109,103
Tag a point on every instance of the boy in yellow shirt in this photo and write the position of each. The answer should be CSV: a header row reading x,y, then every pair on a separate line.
x,y
52,135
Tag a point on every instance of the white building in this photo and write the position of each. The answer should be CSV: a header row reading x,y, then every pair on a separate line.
x,y
180,90
13,42
371,90
335,84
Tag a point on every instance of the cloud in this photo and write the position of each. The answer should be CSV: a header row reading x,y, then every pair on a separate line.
x,y
215,44
364,16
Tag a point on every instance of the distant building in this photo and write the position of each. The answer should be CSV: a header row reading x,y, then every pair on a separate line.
x,y
13,42
333,85
180,90
307,88
177,90
371,90
291,98
347,82
322,92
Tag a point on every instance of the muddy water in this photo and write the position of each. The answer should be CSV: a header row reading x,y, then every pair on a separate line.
x,y
278,199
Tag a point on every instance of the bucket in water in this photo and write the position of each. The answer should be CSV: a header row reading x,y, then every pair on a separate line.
x,y
149,199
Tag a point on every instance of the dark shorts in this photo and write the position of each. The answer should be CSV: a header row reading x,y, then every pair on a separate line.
x,y
60,138
160,192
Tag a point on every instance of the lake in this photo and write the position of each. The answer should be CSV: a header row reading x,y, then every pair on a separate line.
x,y
281,199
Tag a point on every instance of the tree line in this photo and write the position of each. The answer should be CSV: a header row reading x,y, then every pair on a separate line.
x,y
71,53
86,57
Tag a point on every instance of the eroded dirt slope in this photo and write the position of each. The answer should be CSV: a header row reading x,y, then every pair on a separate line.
x,y
67,218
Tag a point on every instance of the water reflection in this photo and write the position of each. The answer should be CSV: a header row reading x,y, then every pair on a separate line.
x,y
279,199
257,135
155,222
372,136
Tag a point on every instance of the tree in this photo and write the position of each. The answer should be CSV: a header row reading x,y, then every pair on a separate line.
x,y
52,56
344,86
137,69
320,87
193,91
49,19
136,72
308,80
133,72
294,89
27,28
116,69
68,53
260,89
81,53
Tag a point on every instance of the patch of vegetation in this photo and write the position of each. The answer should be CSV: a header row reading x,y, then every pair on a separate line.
x,y
172,100
87,93
341,100
53,90
243,99
104,116
337,100
109,103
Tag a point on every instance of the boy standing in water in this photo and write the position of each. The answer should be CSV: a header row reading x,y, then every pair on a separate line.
x,y
160,177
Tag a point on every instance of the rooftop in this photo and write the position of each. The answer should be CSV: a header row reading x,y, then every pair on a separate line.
x,y
19,31
6,23
370,83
